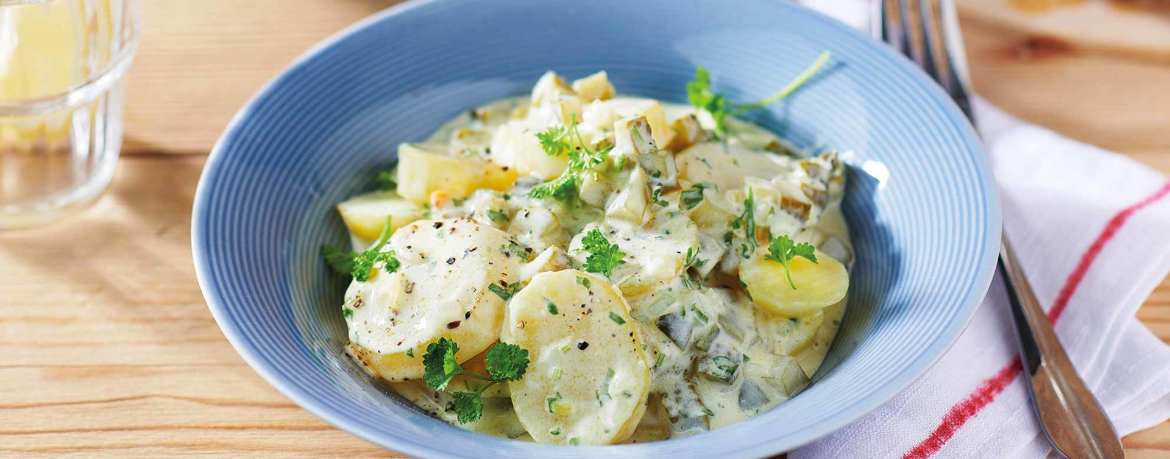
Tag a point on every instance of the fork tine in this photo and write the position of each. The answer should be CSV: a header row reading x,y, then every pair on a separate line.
x,y
888,25
917,37
926,32
940,28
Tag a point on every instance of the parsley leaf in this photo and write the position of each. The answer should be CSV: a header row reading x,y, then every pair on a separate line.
x,y
505,362
566,141
782,250
339,260
603,256
385,181
360,264
468,406
557,140
747,220
439,364
701,96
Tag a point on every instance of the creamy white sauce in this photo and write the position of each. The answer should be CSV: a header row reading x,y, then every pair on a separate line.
x,y
716,357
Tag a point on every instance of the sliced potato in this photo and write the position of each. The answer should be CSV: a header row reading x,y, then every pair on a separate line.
x,y
709,163
427,168
818,285
594,87
538,228
655,424
365,215
788,335
726,165
551,259
589,380
441,291
811,357
549,87
654,256
516,147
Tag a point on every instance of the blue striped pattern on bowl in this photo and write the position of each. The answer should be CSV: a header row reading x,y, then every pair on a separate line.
x,y
920,199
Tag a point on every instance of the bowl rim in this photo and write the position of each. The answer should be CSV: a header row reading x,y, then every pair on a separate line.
x,y
933,352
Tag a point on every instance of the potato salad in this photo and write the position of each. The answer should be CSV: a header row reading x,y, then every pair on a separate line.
x,y
582,268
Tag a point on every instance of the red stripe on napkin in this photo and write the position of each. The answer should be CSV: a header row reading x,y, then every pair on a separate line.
x,y
990,388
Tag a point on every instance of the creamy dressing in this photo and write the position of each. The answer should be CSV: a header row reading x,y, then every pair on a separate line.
x,y
714,356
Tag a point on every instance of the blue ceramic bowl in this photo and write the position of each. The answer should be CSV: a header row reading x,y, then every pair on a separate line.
x,y
920,202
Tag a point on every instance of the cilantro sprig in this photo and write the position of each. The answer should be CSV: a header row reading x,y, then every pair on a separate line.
x,y
783,250
505,362
566,141
700,95
360,264
603,256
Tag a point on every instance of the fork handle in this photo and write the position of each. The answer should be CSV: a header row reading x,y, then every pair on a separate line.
x,y
1067,410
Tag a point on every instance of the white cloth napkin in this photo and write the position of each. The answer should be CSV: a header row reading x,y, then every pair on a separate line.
x,y
1092,231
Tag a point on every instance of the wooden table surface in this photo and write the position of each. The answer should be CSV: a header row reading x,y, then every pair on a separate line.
x,y
107,348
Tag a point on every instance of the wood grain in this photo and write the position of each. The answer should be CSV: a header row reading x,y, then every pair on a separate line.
x,y
107,348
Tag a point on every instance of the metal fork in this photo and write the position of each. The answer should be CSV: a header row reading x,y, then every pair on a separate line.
x,y
927,31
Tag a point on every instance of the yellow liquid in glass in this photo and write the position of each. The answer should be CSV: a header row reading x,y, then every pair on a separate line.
x,y
60,132
46,49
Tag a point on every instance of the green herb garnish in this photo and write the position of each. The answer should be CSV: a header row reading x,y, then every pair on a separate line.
x,y
616,318
505,362
700,95
725,364
385,181
583,281
603,256
504,293
552,307
745,290
691,197
497,216
566,140
654,196
359,264
747,220
693,260
782,250
699,314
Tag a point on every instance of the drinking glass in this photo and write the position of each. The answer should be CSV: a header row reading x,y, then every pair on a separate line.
x,y
62,64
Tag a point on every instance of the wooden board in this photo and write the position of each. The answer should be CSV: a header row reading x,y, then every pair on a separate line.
x,y
106,346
